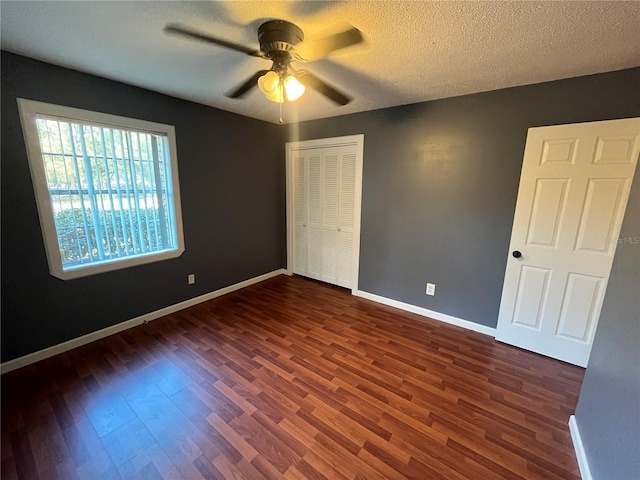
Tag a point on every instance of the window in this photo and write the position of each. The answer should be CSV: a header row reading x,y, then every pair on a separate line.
x,y
106,187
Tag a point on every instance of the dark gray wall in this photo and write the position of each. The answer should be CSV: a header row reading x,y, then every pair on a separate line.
x,y
232,185
608,413
441,180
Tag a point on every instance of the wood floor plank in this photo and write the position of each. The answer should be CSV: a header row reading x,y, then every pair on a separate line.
x,y
295,379
99,463
235,439
279,455
242,470
314,467
23,455
150,462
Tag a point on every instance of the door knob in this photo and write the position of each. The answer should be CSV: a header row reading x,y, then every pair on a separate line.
x,y
516,254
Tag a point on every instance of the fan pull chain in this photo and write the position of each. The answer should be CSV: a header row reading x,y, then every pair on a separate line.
x,y
281,121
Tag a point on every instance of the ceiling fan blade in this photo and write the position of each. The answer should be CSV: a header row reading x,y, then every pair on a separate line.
x,y
309,80
344,36
243,89
189,32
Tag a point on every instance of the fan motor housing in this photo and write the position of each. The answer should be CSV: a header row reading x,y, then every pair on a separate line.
x,y
278,36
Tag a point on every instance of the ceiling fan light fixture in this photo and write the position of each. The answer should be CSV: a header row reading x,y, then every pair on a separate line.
x,y
276,86
270,85
293,88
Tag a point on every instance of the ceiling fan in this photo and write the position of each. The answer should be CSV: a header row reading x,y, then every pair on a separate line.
x,y
281,42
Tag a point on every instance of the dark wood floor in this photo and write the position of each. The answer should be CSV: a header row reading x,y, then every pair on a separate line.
x,y
290,379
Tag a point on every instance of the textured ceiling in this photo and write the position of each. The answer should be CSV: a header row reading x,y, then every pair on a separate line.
x,y
414,51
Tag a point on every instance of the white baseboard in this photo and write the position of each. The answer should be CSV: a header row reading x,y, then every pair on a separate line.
x,y
581,455
147,317
443,317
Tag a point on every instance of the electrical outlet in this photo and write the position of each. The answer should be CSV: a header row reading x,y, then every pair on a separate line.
x,y
191,278
431,289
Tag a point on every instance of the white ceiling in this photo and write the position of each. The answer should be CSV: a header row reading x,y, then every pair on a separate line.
x,y
415,50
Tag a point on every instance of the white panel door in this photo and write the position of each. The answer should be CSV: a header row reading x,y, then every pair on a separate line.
x,y
573,193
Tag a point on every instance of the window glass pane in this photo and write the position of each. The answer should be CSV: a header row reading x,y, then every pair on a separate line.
x,y
110,190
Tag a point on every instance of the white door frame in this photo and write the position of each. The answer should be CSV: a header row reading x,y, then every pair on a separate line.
x,y
358,141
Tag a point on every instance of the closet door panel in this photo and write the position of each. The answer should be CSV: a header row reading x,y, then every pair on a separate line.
x,y
300,213
330,190
314,253
300,257
314,181
347,192
329,256
346,216
314,215
345,259
330,202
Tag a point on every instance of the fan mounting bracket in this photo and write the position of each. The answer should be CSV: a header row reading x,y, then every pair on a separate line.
x,y
278,37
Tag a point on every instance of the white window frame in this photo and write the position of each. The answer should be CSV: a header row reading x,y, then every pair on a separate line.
x,y
29,111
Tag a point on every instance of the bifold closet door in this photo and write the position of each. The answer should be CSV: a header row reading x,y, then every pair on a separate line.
x,y
324,183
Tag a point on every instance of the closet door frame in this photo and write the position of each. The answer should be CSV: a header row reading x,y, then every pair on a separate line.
x,y
358,141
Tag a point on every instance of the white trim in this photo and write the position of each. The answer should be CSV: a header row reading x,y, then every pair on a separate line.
x,y
29,111
357,220
358,141
289,206
442,317
326,142
147,317
581,455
